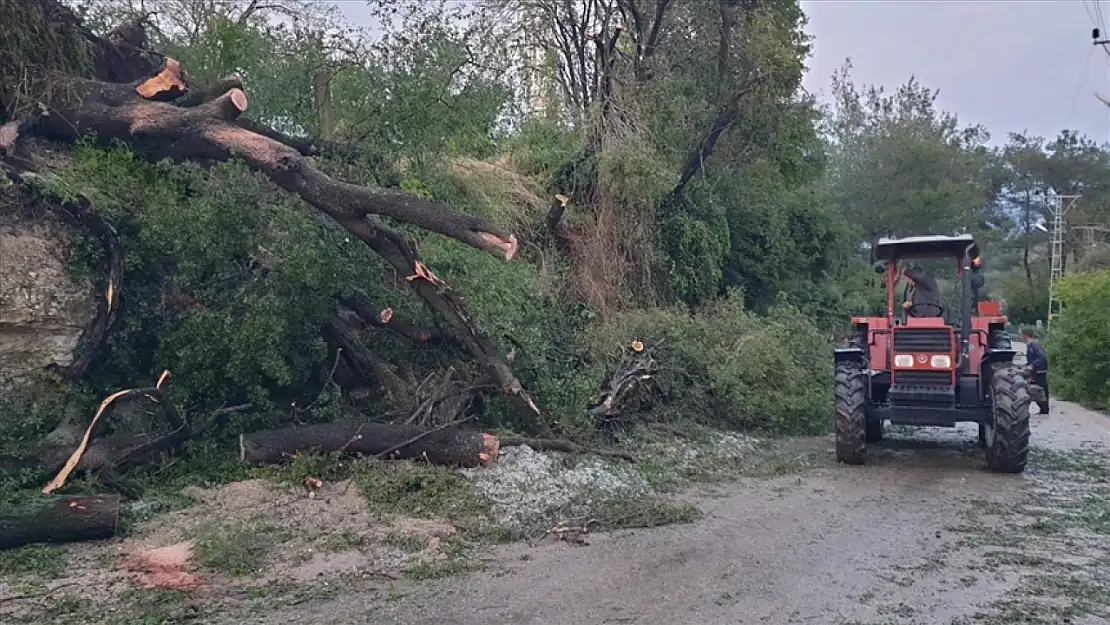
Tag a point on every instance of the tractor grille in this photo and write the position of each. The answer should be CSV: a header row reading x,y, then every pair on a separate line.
x,y
923,378
922,340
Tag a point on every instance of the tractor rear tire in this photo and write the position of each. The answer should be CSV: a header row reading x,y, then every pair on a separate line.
x,y
1007,436
851,413
874,430
1000,339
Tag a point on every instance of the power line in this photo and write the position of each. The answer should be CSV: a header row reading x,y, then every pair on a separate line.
x,y
1099,21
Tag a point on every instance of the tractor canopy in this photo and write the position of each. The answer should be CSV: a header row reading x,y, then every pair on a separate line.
x,y
934,246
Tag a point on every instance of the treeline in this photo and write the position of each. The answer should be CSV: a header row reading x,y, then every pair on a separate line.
x,y
690,225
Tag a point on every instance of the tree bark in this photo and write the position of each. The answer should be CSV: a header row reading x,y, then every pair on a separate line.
x,y
59,520
449,446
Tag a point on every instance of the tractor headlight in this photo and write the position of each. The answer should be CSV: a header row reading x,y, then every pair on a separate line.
x,y
940,362
903,360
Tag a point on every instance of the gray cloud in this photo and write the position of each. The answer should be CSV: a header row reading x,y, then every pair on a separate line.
x,y
1011,66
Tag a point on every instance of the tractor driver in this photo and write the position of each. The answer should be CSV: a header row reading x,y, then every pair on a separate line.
x,y
925,301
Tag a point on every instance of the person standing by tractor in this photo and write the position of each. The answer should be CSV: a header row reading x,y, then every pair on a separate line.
x,y
1037,361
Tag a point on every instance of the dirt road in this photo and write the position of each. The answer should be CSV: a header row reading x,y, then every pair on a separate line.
x,y
922,534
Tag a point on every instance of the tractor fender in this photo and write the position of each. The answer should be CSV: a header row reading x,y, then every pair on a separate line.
x,y
848,354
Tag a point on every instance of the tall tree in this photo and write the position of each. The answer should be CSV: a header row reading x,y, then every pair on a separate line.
x,y
900,165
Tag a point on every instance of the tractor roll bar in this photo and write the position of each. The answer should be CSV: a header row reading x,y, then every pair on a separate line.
x,y
965,309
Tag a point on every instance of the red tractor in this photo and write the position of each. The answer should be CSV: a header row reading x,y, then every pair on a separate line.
x,y
918,368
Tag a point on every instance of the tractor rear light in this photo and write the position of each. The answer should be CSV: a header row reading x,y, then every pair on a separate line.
x,y
940,361
903,360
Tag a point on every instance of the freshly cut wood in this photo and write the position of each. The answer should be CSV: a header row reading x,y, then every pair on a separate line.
x,y
59,520
451,446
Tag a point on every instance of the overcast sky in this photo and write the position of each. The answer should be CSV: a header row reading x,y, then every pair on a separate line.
x,y
1011,65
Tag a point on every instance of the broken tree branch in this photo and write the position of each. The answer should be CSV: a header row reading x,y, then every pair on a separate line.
x,y
380,317
210,131
402,255
155,393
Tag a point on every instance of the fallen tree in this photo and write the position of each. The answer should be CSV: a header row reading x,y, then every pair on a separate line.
x,y
447,446
59,520
140,98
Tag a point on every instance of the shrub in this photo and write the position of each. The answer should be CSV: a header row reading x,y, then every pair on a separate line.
x,y
1025,303
729,367
1079,345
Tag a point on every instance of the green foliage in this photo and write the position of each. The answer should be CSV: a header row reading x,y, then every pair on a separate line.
x,y
236,549
1079,346
395,487
541,147
729,367
33,561
901,166
235,308
697,249
1026,302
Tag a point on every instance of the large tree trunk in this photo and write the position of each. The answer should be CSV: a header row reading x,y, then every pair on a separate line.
x,y
447,446
59,520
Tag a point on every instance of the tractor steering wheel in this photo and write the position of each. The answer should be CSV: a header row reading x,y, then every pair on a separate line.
x,y
911,310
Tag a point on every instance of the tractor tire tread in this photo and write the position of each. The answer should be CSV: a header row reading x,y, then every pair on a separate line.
x,y
851,414
1009,452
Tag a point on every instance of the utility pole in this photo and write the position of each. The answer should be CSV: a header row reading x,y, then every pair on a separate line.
x,y
1105,43
1061,204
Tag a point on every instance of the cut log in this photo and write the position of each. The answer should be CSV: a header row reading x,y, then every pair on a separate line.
x,y
452,446
59,520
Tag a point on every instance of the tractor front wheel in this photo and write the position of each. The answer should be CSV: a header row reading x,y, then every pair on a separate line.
x,y
1006,434
851,413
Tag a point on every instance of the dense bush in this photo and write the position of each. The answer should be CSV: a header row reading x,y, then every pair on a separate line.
x,y
1079,344
729,367
1025,303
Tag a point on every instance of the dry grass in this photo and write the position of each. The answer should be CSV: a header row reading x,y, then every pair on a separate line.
x,y
515,201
